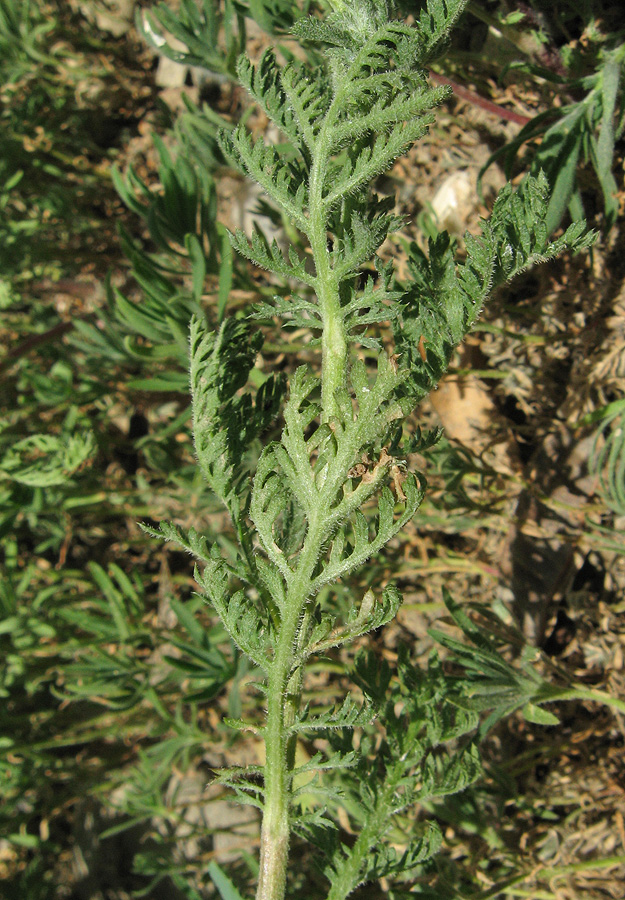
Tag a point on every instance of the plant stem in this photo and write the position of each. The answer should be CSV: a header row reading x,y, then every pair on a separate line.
x,y
274,840
287,670
333,339
284,692
583,693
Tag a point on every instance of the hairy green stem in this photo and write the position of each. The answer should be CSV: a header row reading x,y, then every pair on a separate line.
x,y
274,845
274,841
284,691
334,338
285,688
287,671
578,692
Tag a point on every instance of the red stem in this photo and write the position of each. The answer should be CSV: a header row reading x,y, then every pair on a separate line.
x,y
471,97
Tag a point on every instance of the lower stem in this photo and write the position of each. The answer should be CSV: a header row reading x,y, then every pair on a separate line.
x,y
274,838
283,701
279,763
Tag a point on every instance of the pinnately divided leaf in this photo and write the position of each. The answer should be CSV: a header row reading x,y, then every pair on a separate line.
x,y
370,615
194,543
275,89
41,460
248,629
346,558
282,178
270,257
386,862
225,420
349,715
446,298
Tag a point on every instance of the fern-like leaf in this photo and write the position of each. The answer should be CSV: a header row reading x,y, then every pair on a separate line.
x,y
446,297
347,557
269,256
284,180
386,862
191,541
249,630
225,421
370,615
349,715
266,84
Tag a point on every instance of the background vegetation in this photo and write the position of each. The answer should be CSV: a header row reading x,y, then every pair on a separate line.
x,y
115,676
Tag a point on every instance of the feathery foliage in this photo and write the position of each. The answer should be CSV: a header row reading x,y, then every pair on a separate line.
x,y
334,490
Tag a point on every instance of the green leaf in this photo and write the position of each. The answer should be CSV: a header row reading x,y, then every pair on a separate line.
x,y
385,862
270,257
268,85
447,298
198,28
602,147
43,460
225,421
564,182
607,457
610,82
171,382
449,776
21,839
283,179
274,16
190,540
349,715
538,716
223,884
435,24
198,265
248,627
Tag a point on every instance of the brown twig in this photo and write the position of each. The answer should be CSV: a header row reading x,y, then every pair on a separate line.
x,y
34,341
471,97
